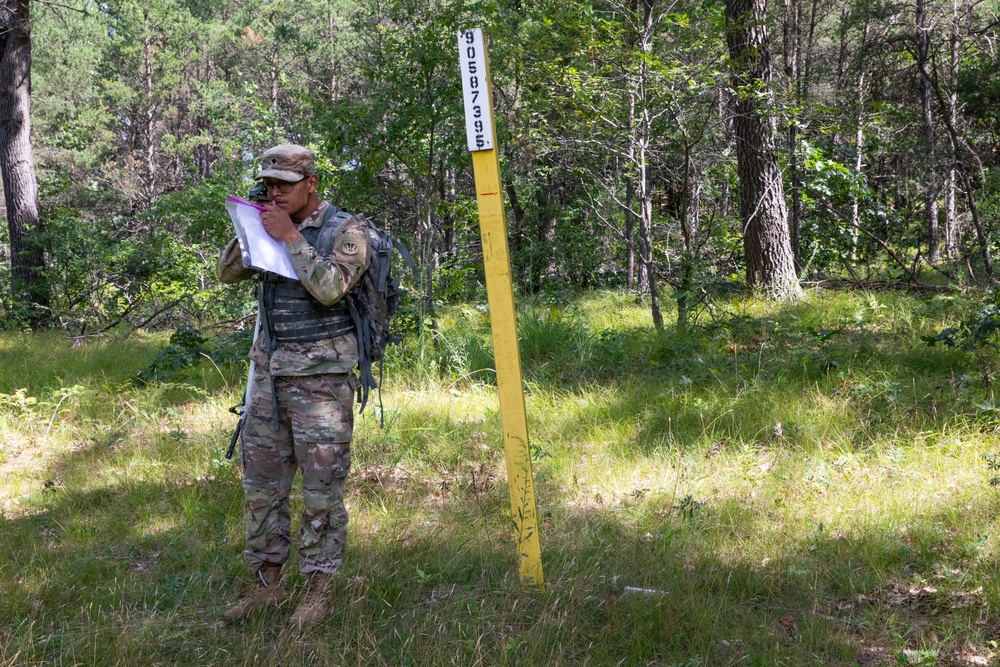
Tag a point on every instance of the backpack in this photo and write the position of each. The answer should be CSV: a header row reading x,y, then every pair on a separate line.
x,y
374,300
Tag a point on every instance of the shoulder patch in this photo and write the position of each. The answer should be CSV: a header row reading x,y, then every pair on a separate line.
x,y
349,246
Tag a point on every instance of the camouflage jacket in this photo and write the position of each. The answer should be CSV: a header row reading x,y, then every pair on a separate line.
x,y
328,279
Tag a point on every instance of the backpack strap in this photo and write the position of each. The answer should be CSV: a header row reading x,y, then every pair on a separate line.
x,y
405,254
382,247
365,328
400,248
361,325
265,295
333,218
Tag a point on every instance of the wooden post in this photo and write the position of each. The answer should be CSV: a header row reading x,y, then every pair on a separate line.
x,y
500,293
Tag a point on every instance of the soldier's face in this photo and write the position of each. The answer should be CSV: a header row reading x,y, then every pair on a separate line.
x,y
293,198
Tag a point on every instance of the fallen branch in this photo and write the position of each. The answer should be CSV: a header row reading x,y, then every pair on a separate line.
x,y
839,283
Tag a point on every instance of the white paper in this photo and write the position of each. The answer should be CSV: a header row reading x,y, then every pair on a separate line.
x,y
260,250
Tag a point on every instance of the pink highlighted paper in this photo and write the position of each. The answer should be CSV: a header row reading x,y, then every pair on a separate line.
x,y
260,250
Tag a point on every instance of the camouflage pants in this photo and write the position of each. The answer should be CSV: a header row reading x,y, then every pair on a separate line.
x,y
316,415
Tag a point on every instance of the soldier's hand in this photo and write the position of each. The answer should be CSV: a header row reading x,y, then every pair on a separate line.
x,y
277,223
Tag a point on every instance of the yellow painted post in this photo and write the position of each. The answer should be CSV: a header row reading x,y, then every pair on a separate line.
x,y
500,293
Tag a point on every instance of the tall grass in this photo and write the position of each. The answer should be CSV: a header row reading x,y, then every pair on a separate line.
x,y
786,484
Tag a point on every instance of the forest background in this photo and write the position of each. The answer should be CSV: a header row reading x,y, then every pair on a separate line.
x,y
735,464
615,123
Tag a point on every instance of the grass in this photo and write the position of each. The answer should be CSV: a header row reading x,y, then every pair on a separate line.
x,y
786,485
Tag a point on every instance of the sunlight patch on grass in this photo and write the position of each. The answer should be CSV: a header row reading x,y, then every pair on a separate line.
x,y
619,311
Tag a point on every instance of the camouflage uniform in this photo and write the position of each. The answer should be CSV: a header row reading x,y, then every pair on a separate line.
x,y
315,385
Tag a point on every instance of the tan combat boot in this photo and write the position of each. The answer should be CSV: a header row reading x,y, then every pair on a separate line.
x,y
267,591
315,604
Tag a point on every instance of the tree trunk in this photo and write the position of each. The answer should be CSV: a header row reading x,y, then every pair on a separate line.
x,y
970,195
646,238
332,36
637,166
430,255
450,195
970,200
984,242
766,243
630,199
952,233
148,118
793,48
629,233
516,231
722,105
642,140
688,217
274,77
631,267
20,188
859,152
930,192
546,239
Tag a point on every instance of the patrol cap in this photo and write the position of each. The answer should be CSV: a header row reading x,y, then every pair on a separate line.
x,y
287,162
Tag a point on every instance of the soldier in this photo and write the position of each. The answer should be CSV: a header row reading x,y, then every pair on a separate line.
x,y
300,412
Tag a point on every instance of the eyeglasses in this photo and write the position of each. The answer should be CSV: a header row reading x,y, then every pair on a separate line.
x,y
284,187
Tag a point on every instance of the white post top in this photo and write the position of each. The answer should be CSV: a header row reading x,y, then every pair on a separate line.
x,y
475,89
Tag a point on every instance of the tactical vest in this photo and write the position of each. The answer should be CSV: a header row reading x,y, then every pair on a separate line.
x,y
288,311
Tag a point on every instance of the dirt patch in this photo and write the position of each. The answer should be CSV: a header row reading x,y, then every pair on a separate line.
x,y
923,598
927,611
872,654
393,479
29,457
